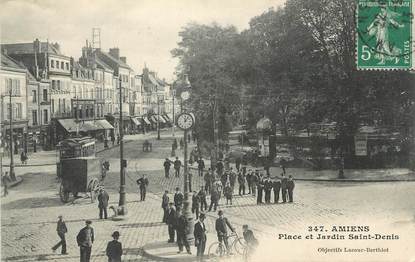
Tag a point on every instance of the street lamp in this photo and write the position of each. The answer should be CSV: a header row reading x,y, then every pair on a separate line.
x,y
11,171
122,209
158,117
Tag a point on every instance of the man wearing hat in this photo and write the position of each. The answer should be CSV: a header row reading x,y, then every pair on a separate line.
x,y
165,205
181,227
178,198
85,238
114,248
167,165
171,222
200,236
61,230
103,198
221,227
142,184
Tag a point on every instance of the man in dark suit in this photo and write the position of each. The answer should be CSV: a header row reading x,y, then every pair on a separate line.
x,y
259,187
276,185
202,197
290,188
142,184
195,204
165,205
171,222
177,164
167,164
214,198
114,248
284,184
267,189
241,182
85,239
221,227
103,198
201,166
178,198
61,230
200,236
182,232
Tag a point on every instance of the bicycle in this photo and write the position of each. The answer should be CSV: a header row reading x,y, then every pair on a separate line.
x,y
218,249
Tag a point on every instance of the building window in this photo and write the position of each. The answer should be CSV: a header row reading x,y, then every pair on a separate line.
x,y
52,63
45,95
34,96
62,65
58,84
57,64
87,112
59,105
45,116
67,66
34,117
52,106
63,105
53,84
18,111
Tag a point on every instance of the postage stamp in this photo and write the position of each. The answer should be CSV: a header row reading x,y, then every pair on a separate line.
x,y
384,39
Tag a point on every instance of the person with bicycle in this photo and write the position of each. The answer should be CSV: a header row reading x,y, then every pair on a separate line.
x,y
222,224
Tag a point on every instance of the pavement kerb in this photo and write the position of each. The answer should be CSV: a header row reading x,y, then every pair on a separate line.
x,y
354,180
19,180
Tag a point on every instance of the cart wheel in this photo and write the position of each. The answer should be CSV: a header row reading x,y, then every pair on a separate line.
x,y
93,189
64,194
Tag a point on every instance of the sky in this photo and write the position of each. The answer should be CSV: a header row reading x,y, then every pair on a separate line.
x,y
144,30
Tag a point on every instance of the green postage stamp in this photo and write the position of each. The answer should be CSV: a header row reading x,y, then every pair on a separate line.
x,y
384,39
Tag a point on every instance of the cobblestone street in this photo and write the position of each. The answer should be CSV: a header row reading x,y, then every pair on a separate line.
x,y
30,212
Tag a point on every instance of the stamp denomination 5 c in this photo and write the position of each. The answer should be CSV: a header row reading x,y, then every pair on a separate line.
x,y
385,35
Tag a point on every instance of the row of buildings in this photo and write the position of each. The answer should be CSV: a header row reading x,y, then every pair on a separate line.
x,y
51,96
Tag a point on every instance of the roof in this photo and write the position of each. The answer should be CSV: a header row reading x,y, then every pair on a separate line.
x,y
28,48
115,60
102,64
8,62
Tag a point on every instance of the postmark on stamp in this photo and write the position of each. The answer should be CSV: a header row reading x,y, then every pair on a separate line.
x,y
384,38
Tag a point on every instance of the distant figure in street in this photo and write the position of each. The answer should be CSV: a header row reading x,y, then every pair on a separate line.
x,y
167,164
61,230
23,158
238,163
195,204
5,183
290,188
200,166
114,248
165,205
85,239
178,198
202,197
284,188
181,143
214,198
221,227
219,167
228,193
276,186
250,240
260,189
171,222
249,181
208,181
241,182
103,198
142,184
283,164
118,139
177,164
112,140
182,232
106,143
199,233
189,138
267,190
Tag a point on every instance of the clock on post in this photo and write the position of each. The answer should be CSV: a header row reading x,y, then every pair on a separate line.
x,y
185,121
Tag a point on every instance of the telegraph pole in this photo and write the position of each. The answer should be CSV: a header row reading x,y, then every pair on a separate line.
x,y
12,176
174,121
158,117
121,203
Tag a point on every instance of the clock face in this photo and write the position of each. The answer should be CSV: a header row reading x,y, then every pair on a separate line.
x,y
185,121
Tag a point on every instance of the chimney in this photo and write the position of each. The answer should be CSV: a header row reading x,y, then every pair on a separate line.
x,y
36,46
124,59
56,45
115,52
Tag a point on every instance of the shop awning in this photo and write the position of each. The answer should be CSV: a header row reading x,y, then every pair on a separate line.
x,y
104,124
71,125
136,121
161,119
166,118
146,120
153,119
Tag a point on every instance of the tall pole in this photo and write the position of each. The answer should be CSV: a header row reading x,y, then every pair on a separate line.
x,y
174,122
158,117
122,207
12,176
186,201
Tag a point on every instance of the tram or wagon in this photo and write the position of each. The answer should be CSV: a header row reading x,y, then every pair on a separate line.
x,y
78,168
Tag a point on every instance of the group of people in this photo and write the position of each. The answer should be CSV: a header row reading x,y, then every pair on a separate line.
x,y
85,239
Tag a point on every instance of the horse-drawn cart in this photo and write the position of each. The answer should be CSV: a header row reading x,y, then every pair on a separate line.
x,y
78,168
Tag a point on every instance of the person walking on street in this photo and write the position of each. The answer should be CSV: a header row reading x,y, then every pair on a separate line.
x,y
260,188
255,180
202,197
208,181
114,248
165,205
200,166
178,198
5,183
195,204
290,188
228,192
283,164
199,233
113,140
167,164
181,143
171,222
276,185
142,184
103,198
214,199
85,239
250,240
284,187
238,163
221,227
267,189
249,181
61,230
241,182
182,232
177,164
118,139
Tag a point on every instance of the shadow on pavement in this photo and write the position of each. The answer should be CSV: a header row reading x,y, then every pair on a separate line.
x,y
38,202
149,224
